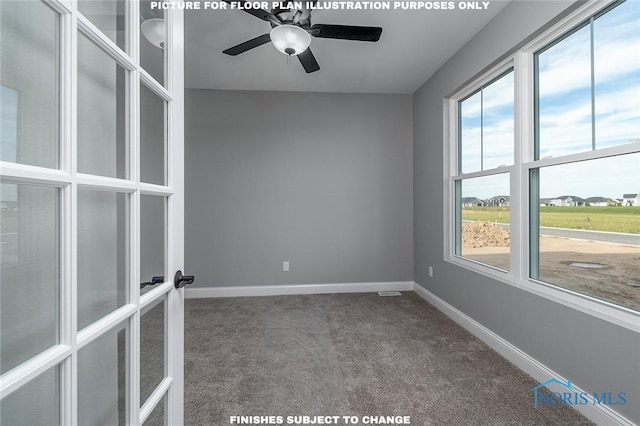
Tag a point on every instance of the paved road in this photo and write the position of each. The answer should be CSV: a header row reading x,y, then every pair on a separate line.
x,y
611,237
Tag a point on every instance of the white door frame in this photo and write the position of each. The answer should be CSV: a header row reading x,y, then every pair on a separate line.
x,y
175,120
64,354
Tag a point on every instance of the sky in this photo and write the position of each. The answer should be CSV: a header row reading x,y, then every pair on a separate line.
x,y
566,113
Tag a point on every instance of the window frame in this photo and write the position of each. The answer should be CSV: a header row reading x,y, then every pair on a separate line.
x,y
523,64
493,75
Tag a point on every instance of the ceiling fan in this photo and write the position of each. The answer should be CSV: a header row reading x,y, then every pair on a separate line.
x,y
291,32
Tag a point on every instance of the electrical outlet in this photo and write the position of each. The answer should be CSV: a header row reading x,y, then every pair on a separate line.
x,y
430,271
285,266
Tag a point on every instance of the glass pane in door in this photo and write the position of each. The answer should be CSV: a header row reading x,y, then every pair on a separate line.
x,y
152,241
29,271
152,348
157,416
36,403
109,16
102,379
103,230
29,83
102,106
153,146
152,40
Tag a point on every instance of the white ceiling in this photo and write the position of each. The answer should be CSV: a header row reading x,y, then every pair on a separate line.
x,y
414,44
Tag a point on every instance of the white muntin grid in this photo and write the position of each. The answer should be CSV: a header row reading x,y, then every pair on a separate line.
x,y
519,275
64,356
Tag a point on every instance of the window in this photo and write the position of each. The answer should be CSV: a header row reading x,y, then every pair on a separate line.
x,y
590,242
588,85
588,96
486,126
574,222
30,90
485,152
109,16
102,112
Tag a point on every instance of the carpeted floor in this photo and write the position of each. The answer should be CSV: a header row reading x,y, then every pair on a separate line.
x,y
349,354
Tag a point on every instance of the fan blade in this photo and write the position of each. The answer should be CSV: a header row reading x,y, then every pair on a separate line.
x,y
248,45
258,13
308,61
346,32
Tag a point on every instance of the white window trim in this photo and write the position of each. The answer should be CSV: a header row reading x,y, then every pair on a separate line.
x,y
518,275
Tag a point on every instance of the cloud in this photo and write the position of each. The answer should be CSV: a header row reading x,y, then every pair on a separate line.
x,y
498,94
486,186
566,66
565,127
605,177
618,115
471,107
498,144
471,150
488,126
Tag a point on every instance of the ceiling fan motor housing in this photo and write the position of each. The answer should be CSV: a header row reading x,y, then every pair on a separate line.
x,y
299,17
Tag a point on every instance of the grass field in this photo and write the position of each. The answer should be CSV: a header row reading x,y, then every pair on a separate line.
x,y
611,219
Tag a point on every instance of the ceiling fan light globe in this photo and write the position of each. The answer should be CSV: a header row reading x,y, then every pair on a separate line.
x,y
153,31
287,38
279,44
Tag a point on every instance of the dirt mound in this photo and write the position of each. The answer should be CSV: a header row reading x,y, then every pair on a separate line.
x,y
484,234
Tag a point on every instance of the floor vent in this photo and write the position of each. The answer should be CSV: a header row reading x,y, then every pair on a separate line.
x,y
389,293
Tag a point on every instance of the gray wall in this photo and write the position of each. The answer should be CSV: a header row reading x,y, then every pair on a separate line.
x,y
595,354
323,181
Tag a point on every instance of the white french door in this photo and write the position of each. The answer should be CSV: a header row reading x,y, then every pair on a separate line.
x,y
91,213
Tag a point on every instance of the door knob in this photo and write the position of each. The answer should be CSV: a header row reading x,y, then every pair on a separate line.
x,y
180,280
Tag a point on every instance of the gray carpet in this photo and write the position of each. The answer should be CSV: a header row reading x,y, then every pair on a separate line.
x,y
349,354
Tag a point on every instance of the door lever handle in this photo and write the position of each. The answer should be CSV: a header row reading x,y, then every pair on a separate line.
x,y
154,280
180,280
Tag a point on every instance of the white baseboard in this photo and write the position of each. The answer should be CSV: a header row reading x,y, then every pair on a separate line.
x,y
281,290
598,413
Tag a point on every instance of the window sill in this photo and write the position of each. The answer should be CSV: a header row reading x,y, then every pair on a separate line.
x,y
615,314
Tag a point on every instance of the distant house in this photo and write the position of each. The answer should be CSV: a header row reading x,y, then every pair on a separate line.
x,y
545,202
472,202
498,201
632,200
599,201
567,201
